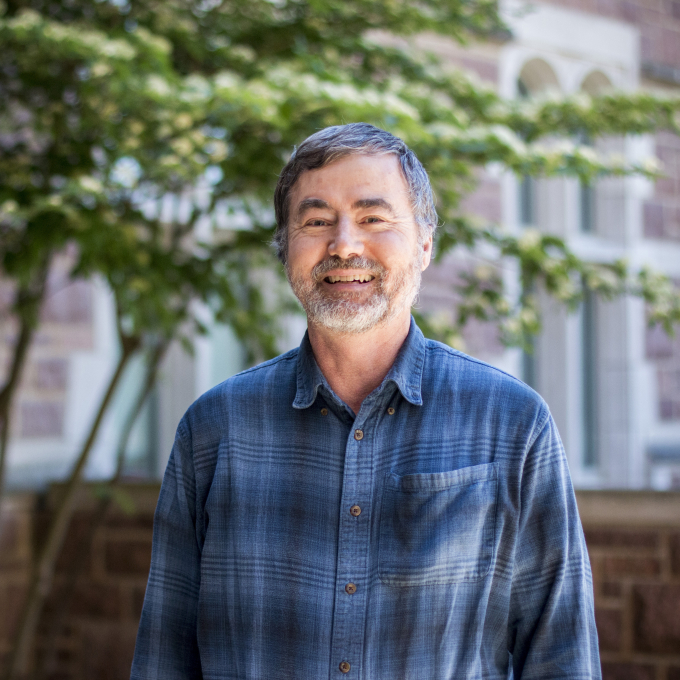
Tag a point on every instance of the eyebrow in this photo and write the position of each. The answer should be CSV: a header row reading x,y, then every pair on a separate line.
x,y
373,203
310,204
362,203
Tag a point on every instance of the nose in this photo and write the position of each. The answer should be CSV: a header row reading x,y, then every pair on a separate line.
x,y
347,240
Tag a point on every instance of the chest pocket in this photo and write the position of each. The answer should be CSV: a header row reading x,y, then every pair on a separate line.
x,y
438,528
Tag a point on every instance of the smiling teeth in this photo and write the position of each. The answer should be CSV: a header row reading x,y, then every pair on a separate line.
x,y
356,277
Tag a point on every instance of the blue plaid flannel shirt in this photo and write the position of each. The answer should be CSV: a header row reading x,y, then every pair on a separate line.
x,y
432,536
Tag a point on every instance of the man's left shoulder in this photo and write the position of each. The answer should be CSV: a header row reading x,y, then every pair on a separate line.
x,y
448,369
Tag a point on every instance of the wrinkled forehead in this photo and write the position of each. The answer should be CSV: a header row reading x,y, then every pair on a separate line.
x,y
357,180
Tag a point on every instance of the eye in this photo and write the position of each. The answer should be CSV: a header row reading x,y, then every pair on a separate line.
x,y
373,220
317,222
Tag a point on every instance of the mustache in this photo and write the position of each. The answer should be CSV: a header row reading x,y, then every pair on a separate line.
x,y
358,262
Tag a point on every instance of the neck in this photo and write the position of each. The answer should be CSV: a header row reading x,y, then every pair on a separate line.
x,y
355,364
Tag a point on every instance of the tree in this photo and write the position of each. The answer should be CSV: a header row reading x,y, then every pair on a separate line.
x,y
106,107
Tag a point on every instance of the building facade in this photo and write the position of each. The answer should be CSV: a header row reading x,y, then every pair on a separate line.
x,y
612,384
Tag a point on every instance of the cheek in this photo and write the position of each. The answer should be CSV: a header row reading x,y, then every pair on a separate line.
x,y
304,252
392,249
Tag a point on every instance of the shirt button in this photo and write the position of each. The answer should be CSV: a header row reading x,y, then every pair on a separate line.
x,y
324,411
344,667
358,435
355,510
390,410
350,589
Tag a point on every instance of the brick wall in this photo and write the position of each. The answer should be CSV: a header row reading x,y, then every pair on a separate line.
x,y
90,623
16,549
633,539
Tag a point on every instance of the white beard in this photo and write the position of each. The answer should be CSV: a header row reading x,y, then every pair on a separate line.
x,y
351,313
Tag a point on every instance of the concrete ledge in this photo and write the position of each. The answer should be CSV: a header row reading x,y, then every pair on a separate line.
x,y
629,508
142,496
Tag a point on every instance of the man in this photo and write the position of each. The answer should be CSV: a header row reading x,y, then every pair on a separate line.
x,y
373,504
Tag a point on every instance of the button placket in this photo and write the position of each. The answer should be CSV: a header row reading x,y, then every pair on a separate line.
x,y
352,566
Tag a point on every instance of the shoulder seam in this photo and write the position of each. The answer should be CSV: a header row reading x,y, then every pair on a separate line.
x,y
287,356
461,355
540,427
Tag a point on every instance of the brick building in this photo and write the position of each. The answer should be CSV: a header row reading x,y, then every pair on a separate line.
x,y
612,384
613,387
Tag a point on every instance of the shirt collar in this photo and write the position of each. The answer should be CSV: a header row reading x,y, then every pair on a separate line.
x,y
406,372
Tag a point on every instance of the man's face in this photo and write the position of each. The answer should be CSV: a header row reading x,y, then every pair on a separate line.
x,y
354,260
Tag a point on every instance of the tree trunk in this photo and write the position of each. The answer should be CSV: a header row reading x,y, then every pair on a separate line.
x,y
62,605
43,571
27,307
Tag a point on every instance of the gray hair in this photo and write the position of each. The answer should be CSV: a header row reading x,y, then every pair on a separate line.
x,y
338,141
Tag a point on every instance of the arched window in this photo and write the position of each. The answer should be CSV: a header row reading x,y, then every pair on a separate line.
x,y
536,78
594,84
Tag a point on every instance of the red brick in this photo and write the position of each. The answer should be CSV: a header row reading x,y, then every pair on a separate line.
x,y
611,589
96,600
654,220
70,303
656,618
627,671
618,538
608,629
59,675
675,553
14,540
631,566
658,344
129,558
486,70
142,521
138,601
114,647
75,552
673,673
12,598
51,374
669,393
42,419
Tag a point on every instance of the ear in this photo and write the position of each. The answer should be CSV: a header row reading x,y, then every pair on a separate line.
x,y
427,253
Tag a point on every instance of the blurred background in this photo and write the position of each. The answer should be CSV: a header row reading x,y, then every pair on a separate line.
x,y
139,147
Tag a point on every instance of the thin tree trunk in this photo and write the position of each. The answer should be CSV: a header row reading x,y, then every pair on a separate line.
x,y
43,571
61,608
27,307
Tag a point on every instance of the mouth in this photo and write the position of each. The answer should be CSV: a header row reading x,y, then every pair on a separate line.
x,y
350,278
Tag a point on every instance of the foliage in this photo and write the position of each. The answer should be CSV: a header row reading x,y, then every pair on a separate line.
x,y
108,106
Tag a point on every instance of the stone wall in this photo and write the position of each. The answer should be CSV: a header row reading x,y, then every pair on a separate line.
x,y
89,626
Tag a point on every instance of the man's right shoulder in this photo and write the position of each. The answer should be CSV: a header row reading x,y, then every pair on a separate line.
x,y
257,390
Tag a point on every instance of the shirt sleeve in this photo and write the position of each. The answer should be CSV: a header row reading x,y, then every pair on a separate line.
x,y
167,646
552,630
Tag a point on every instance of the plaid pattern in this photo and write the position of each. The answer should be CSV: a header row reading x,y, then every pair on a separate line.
x,y
467,558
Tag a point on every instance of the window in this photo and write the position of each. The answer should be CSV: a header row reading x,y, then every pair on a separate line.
x,y
586,208
587,196
589,417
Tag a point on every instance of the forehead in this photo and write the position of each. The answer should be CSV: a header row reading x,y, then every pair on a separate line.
x,y
352,178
